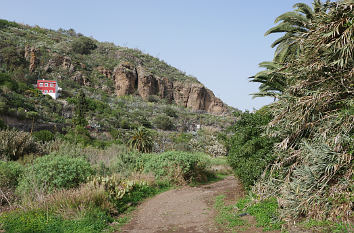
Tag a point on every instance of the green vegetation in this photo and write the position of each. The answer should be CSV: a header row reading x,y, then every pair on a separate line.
x,y
265,212
78,188
52,172
327,226
180,167
15,144
164,122
80,109
44,222
77,163
250,151
141,140
226,216
298,150
43,136
83,45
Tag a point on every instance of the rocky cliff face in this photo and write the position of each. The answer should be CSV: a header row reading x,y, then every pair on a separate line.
x,y
129,80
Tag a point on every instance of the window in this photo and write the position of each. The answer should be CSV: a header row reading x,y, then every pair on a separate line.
x,y
41,84
46,84
50,91
45,91
51,85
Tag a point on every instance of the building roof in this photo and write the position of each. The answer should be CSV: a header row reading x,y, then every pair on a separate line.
x,y
42,80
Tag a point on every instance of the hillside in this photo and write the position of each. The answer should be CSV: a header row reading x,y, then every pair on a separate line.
x,y
75,61
124,88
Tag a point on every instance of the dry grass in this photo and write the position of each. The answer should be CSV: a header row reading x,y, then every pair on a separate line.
x,y
72,202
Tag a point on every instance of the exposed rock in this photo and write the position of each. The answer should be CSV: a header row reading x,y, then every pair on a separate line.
x,y
125,77
106,72
33,58
80,78
165,88
214,104
147,84
66,62
27,52
181,93
128,80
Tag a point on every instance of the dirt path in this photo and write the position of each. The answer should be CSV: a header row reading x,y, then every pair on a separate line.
x,y
188,209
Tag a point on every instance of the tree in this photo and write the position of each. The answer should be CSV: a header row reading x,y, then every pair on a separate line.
x,y
272,81
141,140
80,109
295,24
312,175
83,45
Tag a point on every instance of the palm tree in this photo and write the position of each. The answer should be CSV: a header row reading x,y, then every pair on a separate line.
x,y
294,24
141,140
272,81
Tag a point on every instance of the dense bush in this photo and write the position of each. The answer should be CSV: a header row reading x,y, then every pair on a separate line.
x,y
250,151
52,172
4,24
43,135
177,166
9,174
125,163
83,45
5,80
12,57
79,135
15,144
170,112
164,122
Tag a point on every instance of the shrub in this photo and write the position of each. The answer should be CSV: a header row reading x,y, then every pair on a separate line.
x,y
4,24
2,123
43,135
12,57
83,45
164,122
15,144
126,163
180,167
250,152
9,174
153,99
125,193
79,135
5,80
52,172
141,140
170,112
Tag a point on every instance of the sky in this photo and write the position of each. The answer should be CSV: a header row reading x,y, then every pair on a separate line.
x,y
221,42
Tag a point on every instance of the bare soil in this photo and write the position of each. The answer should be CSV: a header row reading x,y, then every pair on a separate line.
x,y
187,209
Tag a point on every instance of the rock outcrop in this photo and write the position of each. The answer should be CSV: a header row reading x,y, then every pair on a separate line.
x,y
126,77
31,56
106,72
129,80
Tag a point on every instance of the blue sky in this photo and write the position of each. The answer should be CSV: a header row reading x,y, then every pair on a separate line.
x,y
220,42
